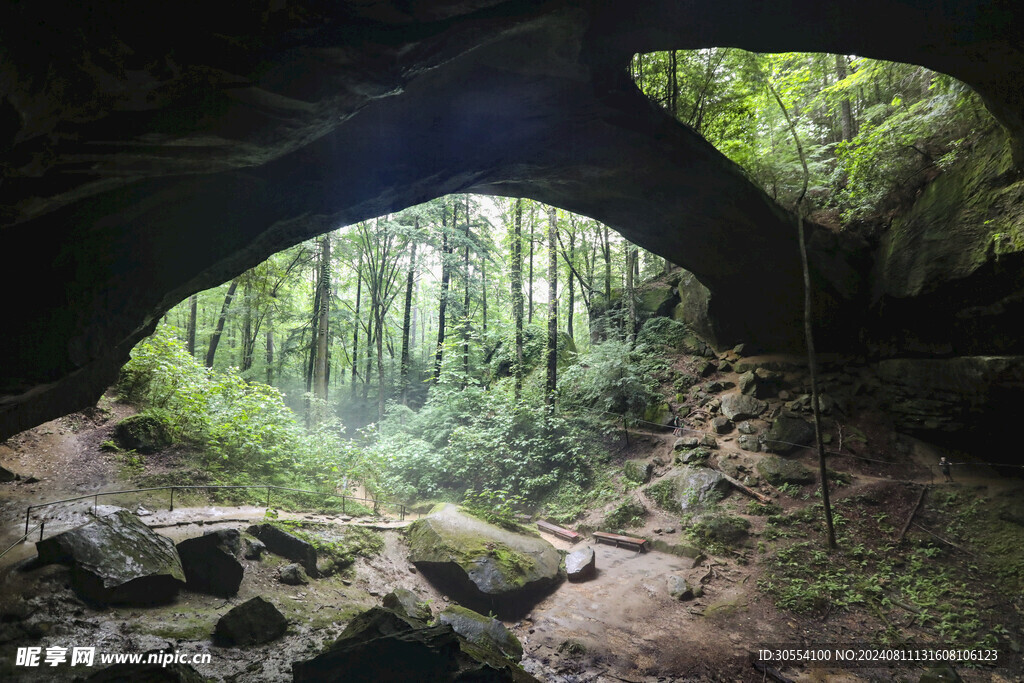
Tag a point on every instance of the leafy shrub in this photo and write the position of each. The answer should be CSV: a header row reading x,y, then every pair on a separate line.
x,y
629,513
610,377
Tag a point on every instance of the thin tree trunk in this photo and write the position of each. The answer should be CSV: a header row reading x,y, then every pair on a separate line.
x,y
443,305
517,296
193,306
465,305
845,110
572,288
407,321
248,338
529,283
355,328
630,296
320,366
808,329
270,351
551,385
215,337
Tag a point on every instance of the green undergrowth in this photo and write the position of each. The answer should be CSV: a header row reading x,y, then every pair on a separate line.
x,y
337,546
919,586
628,514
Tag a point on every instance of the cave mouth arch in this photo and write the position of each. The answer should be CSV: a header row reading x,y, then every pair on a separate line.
x,y
154,172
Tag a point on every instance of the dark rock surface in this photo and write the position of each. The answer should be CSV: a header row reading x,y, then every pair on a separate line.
x,y
486,632
788,434
692,489
406,604
254,622
273,125
147,673
380,646
286,545
293,575
6,475
210,563
777,470
117,559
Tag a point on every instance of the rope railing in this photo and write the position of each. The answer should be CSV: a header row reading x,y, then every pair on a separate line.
x,y
172,488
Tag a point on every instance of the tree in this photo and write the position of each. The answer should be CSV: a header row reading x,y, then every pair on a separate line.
x,y
551,385
215,337
407,315
517,296
322,348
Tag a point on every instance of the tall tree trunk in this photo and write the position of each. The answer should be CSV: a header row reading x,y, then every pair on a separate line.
x,y
517,296
572,288
320,366
552,377
368,371
606,249
215,337
193,306
529,283
443,305
381,395
270,351
465,304
407,321
313,336
248,338
631,255
845,110
355,327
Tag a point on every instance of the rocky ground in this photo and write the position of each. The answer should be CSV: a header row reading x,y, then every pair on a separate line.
x,y
621,625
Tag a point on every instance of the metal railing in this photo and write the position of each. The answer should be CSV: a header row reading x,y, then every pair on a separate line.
x,y
172,488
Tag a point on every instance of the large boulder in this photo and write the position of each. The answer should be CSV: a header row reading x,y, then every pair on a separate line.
x,y
117,559
480,560
581,565
690,490
405,603
381,646
778,471
6,475
286,545
738,406
254,622
211,564
486,632
144,433
788,434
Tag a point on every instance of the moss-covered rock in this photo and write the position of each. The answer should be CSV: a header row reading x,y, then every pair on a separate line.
x,y
144,433
778,471
480,559
788,434
690,490
719,529
674,335
637,471
486,632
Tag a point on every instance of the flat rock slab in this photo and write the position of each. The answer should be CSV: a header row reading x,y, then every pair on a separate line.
x,y
253,622
778,471
210,563
117,559
581,565
496,562
286,545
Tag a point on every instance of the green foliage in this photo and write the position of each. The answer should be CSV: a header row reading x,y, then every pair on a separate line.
x,y
610,377
664,494
629,513
477,439
337,547
497,507
241,428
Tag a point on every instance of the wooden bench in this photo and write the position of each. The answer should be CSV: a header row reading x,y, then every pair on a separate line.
x,y
567,534
615,539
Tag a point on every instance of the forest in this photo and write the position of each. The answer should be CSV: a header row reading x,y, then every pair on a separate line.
x,y
479,343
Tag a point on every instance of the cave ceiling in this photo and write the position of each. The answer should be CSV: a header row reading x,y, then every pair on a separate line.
x,y
151,150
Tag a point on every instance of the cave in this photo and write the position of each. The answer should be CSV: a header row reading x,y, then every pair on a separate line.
x,y
131,135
